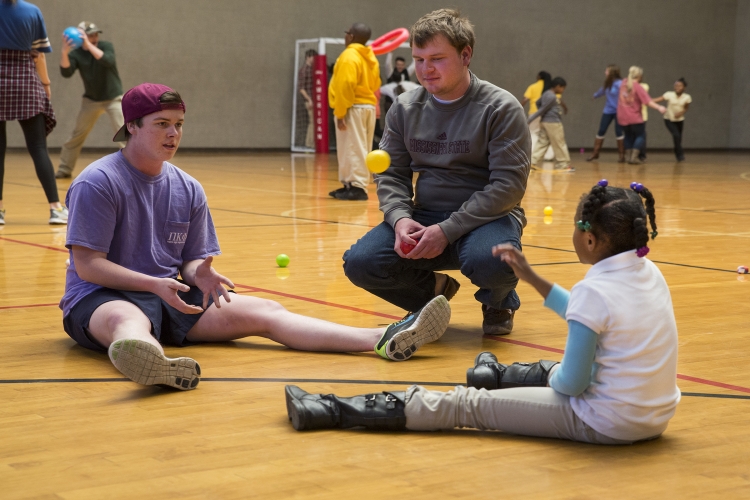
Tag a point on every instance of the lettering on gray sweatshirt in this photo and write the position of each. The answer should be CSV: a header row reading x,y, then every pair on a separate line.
x,y
472,157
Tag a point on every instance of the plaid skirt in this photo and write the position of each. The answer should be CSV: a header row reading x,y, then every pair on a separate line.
x,y
22,95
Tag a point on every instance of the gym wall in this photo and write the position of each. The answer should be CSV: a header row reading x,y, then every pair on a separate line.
x,y
232,60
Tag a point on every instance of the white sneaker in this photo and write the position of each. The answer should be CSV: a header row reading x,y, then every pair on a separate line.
x,y
58,216
144,364
2,216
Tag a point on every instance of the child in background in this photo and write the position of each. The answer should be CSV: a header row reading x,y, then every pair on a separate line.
x,y
644,111
617,382
551,133
630,114
532,94
678,102
610,89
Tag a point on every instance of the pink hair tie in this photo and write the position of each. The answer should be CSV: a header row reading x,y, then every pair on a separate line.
x,y
642,252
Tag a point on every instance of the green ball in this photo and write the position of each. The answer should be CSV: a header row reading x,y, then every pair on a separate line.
x,y
282,260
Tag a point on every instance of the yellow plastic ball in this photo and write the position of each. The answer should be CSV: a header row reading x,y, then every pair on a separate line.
x,y
548,211
378,161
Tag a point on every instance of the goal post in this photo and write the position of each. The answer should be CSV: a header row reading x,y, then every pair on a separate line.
x,y
312,118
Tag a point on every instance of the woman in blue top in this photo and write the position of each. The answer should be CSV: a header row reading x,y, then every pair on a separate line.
x,y
610,89
25,94
617,382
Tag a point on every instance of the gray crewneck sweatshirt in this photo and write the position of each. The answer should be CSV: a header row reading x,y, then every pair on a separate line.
x,y
472,157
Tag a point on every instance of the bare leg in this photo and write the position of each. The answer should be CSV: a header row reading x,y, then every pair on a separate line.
x,y
252,316
119,320
126,332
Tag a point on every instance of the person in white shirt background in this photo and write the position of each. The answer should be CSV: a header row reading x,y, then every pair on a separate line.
x,y
678,103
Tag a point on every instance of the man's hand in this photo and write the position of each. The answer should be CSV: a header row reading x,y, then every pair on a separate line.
x,y
167,289
86,45
210,282
432,242
341,124
405,229
67,45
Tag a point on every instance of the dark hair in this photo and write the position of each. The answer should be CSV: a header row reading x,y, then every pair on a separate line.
x,y
310,53
618,216
399,58
547,78
558,81
169,97
360,33
613,73
447,22
682,81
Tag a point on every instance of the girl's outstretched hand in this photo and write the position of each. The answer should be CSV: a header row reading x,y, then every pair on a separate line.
x,y
515,259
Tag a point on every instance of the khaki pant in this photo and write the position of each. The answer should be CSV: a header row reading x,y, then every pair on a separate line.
x,y
353,144
87,117
551,134
534,128
526,411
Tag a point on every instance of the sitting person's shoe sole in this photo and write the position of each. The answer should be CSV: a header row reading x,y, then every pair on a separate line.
x,y
402,338
144,364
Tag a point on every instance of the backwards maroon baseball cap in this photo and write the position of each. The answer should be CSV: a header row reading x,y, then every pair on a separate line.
x,y
143,100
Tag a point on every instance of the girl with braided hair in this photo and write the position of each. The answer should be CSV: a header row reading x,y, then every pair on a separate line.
x,y
617,382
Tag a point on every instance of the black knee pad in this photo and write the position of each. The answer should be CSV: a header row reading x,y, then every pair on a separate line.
x,y
527,374
485,376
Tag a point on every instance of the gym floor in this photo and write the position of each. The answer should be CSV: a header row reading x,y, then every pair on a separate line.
x,y
73,427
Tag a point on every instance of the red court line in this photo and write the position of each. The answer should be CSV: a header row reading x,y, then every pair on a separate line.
x,y
64,250
29,305
715,384
316,301
525,344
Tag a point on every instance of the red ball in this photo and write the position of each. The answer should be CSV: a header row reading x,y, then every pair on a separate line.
x,y
407,247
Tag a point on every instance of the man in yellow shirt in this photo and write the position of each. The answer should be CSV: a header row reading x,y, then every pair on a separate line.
x,y
351,94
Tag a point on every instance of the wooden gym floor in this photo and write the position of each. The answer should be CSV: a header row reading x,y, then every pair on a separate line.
x,y
72,427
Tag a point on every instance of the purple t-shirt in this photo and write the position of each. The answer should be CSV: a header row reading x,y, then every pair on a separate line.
x,y
151,225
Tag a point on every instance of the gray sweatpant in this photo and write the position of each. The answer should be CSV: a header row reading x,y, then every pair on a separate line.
x,y
527,411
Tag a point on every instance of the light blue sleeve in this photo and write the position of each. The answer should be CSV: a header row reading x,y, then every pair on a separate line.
x,y
557,300
599,93
574,374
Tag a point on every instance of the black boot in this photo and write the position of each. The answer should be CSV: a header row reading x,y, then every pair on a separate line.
x,y
489,374
383,411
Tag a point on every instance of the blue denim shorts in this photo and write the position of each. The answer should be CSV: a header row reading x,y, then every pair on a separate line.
x,y
168,325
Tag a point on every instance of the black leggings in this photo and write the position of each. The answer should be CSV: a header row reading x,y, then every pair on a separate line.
x,y
36,142
675,128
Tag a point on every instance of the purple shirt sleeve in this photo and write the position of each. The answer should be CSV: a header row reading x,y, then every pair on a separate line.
x,y
89,228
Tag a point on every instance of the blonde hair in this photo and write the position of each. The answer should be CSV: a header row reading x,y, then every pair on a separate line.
x,y
634,73
447,22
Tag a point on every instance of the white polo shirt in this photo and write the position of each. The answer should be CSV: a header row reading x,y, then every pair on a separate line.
x,y
676,104
633,392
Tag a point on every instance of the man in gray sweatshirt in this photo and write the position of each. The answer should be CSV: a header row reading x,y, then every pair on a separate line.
x,y
469,142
